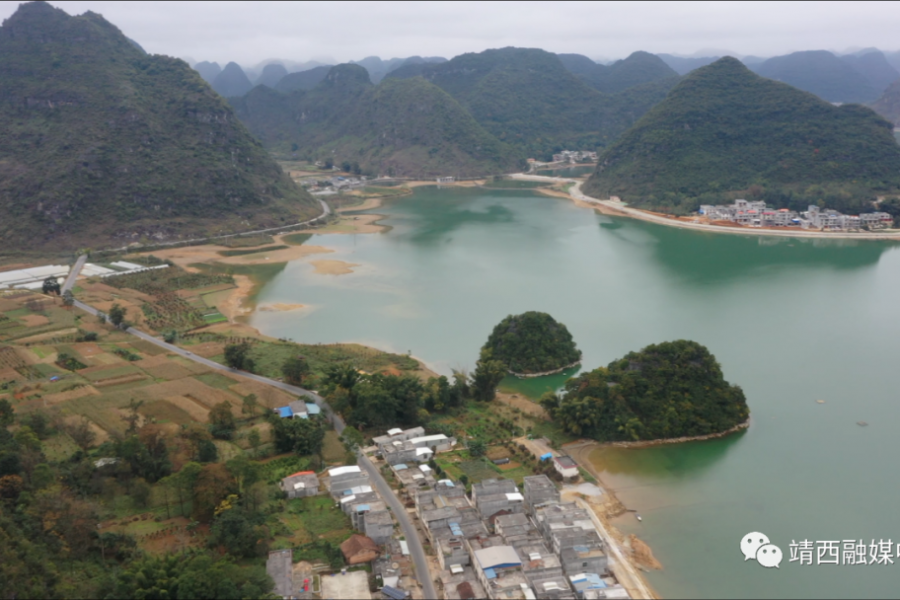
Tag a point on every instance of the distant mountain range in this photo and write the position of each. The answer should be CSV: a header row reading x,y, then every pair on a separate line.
x,y
723,129
637,69
859,77
102,144
888,106
516,102
398,128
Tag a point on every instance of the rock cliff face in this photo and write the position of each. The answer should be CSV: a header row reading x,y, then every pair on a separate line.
x,y
102,145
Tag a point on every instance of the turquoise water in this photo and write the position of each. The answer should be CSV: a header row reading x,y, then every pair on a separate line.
x,y
791,321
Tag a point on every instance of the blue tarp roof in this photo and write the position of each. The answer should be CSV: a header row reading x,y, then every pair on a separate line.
x,y
392,592
313,408
546,456
490,574
363,508
400,466
285,412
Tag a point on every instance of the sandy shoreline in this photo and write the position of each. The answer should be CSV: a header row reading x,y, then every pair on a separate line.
x,y
614,206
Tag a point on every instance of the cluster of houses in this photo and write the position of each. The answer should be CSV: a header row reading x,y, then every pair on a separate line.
x,y
411,445
334,185
575,156
507,543
500,541
757,214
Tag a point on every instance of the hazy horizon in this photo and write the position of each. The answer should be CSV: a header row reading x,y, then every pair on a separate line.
x,y
251,33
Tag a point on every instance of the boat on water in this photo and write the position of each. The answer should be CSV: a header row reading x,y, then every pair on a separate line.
x,y
638,517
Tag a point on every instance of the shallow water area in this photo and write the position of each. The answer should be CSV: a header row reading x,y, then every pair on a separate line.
x,y
791,321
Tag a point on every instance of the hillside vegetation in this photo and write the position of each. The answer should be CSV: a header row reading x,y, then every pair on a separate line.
x,y
101,144
888,106
668,390
724,129
524,102
533,342
822,73
402,127
639,68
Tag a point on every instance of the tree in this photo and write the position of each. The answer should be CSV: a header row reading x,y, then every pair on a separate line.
x,y
214,484
7,415
140,492
170,336
487,376
237,356
295,369
51,286
116,314
184,482
207,451
133,417
477,448
244,471
248,406
221,421
68,298
253,438
82,433
303,436
146,453
241,532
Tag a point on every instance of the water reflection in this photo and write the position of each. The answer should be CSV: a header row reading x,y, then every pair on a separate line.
x,y
720,258
427,222
535,387
664,462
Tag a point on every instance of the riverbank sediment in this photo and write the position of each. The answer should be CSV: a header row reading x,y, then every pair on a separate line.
x,y
615,206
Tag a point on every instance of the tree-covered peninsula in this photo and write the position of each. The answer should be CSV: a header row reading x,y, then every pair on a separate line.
x,y
668,390
532,343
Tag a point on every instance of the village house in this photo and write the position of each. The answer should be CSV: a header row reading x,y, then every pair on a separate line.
x,y
565,466
358,549
492,496
294,410
300,485
539,491
517,529
342,479
757,214
461,584
378,525
419,477
498,569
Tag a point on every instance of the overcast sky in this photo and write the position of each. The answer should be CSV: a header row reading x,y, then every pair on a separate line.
x,y
250,32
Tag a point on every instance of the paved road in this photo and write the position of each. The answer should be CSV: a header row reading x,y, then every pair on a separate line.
x,y
409,531
74,272
326,210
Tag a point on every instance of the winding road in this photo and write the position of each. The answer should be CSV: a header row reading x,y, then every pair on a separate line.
x,y
409,531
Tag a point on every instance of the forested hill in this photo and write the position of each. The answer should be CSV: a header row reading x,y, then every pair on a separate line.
x,y
402,127
822,73
723,128
101,144
888,106
527,98
639,68
669,390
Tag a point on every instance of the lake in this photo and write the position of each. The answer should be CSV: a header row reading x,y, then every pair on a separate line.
x,y
791,321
